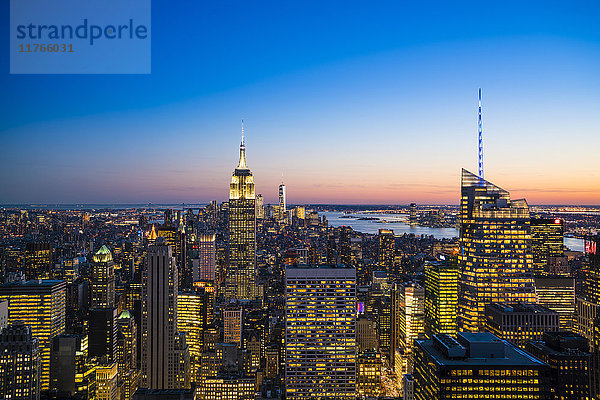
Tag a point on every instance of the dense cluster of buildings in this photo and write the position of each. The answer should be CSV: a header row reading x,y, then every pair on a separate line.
x,y
242,300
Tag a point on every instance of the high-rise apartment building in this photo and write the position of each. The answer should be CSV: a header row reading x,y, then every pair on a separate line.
x,y
103,279
320,332
40,304
241,269
163,348
495,259
385,256
546,242
19,363
477,366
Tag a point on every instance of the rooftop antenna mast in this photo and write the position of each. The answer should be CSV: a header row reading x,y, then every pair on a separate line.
x,y
480,139
243,144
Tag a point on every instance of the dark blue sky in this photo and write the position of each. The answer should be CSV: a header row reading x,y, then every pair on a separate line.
x,y
322,85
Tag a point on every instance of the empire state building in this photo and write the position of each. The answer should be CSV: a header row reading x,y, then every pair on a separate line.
x,y
241,271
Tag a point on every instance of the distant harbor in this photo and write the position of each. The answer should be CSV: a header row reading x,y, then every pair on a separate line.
x,y
374,222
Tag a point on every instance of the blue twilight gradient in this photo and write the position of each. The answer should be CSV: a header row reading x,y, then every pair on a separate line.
x,y
354,102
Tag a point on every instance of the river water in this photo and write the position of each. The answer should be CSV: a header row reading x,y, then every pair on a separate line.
x,y
400,227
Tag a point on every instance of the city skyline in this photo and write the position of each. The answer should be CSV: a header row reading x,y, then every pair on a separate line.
x,y
384,114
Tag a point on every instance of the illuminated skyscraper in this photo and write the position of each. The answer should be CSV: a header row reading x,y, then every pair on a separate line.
x,y
260,207
205,269
587,303
410,322
103,279
441,297
385,256
495,260
557,294
241,270
232,323
282,203
366,335
174,236
412,219
568,356
228,387
40,304
37,260
520,322
320,334
194,313
477,366
368,375
19,363
163,348
546,242
127,348
107,379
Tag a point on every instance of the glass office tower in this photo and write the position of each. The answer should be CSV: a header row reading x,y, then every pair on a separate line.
x,y
495,259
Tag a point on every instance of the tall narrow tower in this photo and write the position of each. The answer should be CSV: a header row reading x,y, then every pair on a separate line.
x,y
241,271
480,138
282,205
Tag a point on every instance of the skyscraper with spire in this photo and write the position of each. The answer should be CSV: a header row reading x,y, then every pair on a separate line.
x,y
282,203
241,269
496,264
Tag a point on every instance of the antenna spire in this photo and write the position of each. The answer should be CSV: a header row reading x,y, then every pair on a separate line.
x,y
242,163
480,138
243,144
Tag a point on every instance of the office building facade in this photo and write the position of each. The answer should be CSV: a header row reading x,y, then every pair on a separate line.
x,y
520,322
20,363
477,366
320,332
441,297
39,304
495,258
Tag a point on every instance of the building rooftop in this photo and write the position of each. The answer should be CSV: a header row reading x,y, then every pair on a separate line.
x,y
34,283
103,255
519,308
480,347
562,343
320,266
